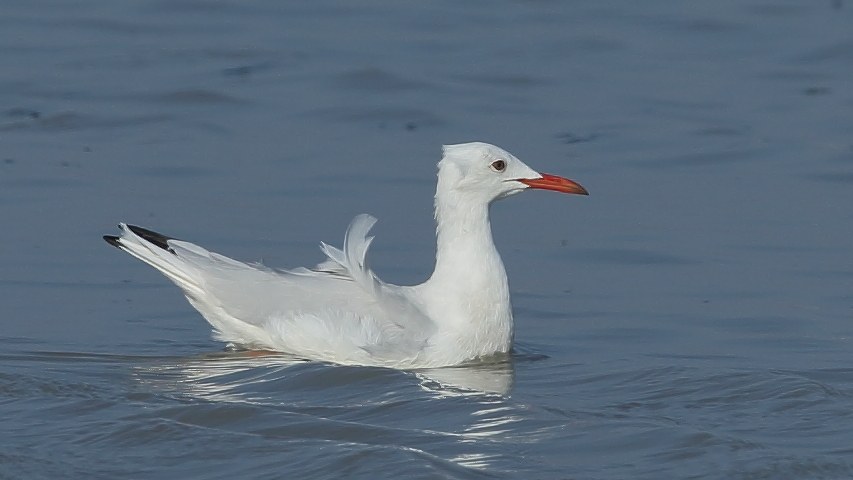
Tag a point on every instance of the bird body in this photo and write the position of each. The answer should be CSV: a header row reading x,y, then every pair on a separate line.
x,y
340,311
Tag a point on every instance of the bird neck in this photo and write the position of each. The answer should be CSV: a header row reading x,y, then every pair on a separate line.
x,y
468,291
469,275
464,242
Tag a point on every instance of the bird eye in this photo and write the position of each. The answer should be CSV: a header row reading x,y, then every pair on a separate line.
x,y
499,165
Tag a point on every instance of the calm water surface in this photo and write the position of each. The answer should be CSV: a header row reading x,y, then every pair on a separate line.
x,y
692,318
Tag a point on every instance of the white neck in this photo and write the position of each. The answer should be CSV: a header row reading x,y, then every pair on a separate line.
x,y
468,291
464,245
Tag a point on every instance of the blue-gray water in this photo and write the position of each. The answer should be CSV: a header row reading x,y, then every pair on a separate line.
x,y
692,318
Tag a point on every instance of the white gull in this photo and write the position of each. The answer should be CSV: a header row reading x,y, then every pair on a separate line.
x,y
340,311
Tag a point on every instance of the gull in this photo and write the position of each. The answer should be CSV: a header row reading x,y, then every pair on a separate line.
x,y
340,311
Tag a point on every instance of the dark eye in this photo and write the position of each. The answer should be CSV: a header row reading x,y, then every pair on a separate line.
x,y
499,165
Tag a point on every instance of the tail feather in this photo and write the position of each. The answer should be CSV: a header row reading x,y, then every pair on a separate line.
x,y
158,239
154,249
112,240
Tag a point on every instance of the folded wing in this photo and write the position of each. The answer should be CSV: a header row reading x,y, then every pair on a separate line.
x,y
339,311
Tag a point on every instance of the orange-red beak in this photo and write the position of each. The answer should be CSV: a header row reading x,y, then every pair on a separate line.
x,y
553,182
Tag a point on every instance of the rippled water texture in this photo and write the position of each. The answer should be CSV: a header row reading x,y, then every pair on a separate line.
x,y
692,318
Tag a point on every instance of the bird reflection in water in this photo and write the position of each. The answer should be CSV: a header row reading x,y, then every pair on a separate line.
x,y
213,375
365,405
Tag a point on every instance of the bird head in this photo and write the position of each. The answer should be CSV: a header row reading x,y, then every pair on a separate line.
x,y
490,173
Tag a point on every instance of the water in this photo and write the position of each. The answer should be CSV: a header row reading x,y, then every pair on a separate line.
x,y
692,318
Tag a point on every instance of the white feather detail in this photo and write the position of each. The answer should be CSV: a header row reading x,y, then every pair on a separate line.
x,y
352,260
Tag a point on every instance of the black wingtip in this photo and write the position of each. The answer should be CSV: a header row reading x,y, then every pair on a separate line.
x,y
112,241
157,239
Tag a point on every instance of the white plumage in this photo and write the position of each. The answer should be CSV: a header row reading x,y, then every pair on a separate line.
x,y
340,311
